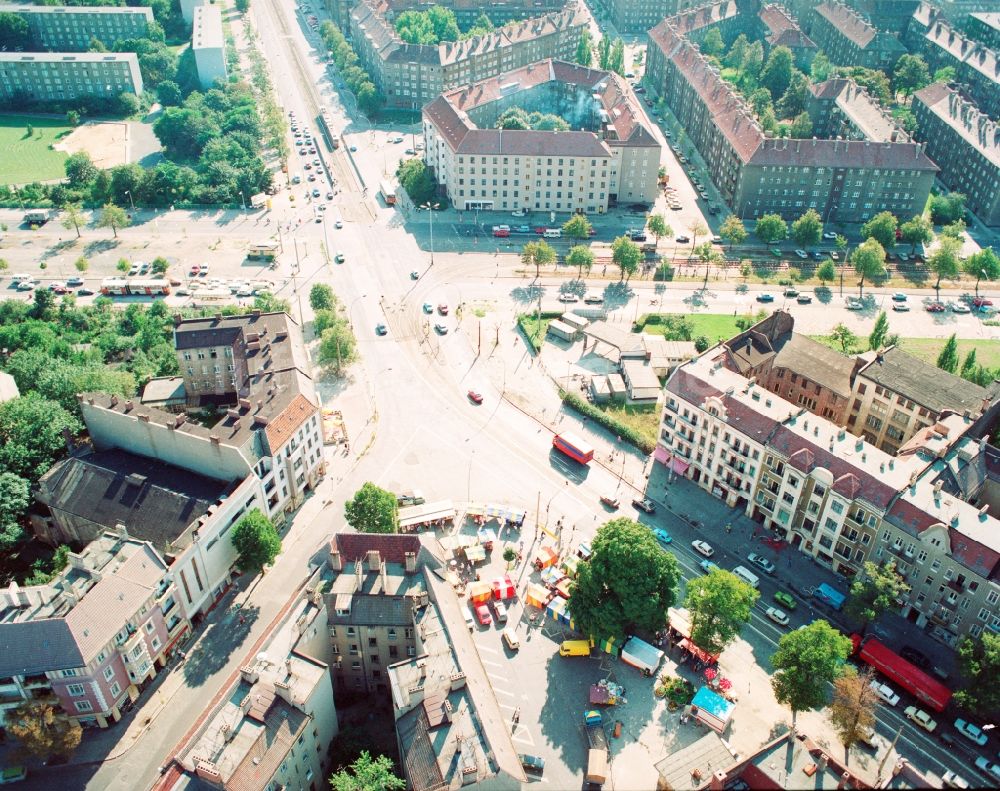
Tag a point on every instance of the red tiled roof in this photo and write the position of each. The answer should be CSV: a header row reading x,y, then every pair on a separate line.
x,y
391,548
287,422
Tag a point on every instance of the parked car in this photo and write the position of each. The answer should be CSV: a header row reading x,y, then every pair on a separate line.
x,y
532,763
441,329
777,616
920,717
853,303
934,307
960,307
474,397
804,299
885,692
761,562
707,566
443,309
380,329
765,297
776,252
703,548
483,615
564,297
610,501
593,299
500,612
802,254
73,282
952,780
682,240
786,600
900,307
830,236
899,296
988,768
663,536
790,292
428,307
644,504
971,732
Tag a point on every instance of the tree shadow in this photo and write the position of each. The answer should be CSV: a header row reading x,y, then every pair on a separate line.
x,y
217,644
100,246
58,248
617,294
527,294
823,294
576,287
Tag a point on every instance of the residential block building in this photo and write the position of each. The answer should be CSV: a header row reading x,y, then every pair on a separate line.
x,y
466,11
965,144
849,40
56,76
782,30
411,75
922,505
272,728
95,635
984,27
977,66
609,156
846,181
636,16
208,45
72,28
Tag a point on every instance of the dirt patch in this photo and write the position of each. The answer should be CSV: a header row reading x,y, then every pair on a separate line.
x,y
106,142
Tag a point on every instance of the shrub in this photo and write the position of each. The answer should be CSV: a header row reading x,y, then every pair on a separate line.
x,y
600,417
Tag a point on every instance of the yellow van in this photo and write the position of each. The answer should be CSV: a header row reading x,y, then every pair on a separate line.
x,y
575,648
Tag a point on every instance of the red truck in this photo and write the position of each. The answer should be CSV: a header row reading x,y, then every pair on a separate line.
x,y
929,691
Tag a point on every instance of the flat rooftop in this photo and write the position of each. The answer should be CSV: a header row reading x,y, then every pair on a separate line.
x,y
206,32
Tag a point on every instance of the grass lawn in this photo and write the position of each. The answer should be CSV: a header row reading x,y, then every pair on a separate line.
x,y
534,330
714,326
928,349
23,159
643,419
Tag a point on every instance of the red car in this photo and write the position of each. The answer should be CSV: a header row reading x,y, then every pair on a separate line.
x,y
934,307
475,398
443,309
194,271
540,230
483,615
981,302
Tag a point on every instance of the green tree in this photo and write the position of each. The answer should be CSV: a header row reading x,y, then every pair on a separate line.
x,y
31,434
826,272
697,228
947,359
160,265
807,230
853,706
701,344
537,254
73,217
616,60
604,52
911,74
868,260
337,347
917,230
73,117
881,228
256,541
81,264
242,6
15,497
321,297
944,262
584,49
777,73
947,208
969,366
733,230
168,93
874,591
954,229
266,302
80,170
979,664
372,510
627,583
753,62
720,604
792,103
113,217
945,74
842,334
737,52
820,69
879,332
802,126
712,44
626,255
43,730
770,228
658,226
807,661
367,774
982,265
761,102
580,256
418,181
123,265
14,32
577,227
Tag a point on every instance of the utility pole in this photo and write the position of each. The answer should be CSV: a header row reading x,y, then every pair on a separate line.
x,y
887,752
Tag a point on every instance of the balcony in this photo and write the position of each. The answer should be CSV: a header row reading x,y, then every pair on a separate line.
x,y
36,680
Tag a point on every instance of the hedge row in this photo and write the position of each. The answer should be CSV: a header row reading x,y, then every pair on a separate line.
x,y
602,418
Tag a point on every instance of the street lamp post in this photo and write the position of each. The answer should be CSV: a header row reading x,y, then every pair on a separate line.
x,y
430,207
243,200
130,201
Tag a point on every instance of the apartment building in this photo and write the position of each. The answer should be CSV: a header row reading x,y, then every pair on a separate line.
x,y
977,66
95,635
411,75
188,7
209,45
849,40
254,369
466,11
845,181
782,30
895,396
637,16
185,516
375,595
984,27
272,727
842,109
72,28
56,76
609,156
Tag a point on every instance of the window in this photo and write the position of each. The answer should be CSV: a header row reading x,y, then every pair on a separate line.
x,y
76,690
149,627
116,689
109,673
83,705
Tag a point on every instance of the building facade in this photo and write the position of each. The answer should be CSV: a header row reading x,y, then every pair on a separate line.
x,y
846,181
849,40
977,66
411,75
94,636
636,16
72,28
965,144
56,77
481,167
209,45
984,27
782,30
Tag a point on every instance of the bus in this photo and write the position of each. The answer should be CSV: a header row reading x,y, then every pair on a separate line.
x,y
573,446
931,692
139,287
388,193
326,129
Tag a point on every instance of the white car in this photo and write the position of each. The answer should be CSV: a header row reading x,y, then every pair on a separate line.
x,y
853,303
920,717
801,253
951,780
885,692
776,615
830,236
568,298
703,548
960,307
518,213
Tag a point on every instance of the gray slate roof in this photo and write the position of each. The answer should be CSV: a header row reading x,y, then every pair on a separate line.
x,y
923,383
37,647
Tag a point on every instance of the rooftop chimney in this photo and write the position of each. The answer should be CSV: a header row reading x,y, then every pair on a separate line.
x,y
335,561
374,559
410,561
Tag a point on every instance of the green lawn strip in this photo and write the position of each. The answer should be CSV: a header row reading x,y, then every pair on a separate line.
x,y
714,326
928,349
24,159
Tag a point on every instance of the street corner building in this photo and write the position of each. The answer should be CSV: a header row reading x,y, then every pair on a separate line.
x,y
608,155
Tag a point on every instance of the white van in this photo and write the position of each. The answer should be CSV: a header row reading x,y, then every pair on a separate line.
x,y
552,233
747,576
18,278
510,638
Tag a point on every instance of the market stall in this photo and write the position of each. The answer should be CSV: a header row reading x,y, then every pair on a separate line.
x,y
558,611
712,709
537,595
545,556
487,536
551,576
503,588
426,515
610,645
570,566
476,553
564,587
480,592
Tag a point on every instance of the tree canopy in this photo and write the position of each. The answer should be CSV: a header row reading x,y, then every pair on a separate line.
x,y
31,434
43,730
626,255
979,664
868,260
15,497
853,707
807,661
807,230
874,591
771,228
720,604
627,584
947,359
882,228
368,774
577,227
256,541
372,510
733,230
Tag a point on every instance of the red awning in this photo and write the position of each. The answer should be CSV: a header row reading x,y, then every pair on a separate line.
x,y
679,466
661,454
691,648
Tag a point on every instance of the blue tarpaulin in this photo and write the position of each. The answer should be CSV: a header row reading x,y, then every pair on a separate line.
x,y
712,709
831,596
